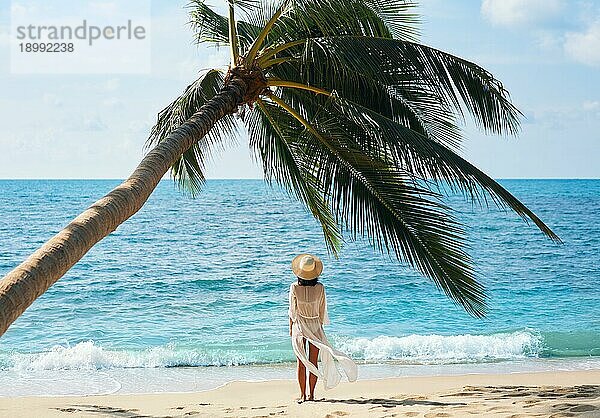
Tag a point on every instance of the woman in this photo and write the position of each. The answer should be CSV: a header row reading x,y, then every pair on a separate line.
x,y
308,314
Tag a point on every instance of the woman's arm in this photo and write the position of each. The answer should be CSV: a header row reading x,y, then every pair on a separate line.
x,y
292,308
323,314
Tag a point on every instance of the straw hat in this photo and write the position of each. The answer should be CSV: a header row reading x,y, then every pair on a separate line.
x,y
307,266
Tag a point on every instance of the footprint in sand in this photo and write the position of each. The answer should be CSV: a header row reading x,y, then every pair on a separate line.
x,y
564,405
530,402
497,409
529,415
584,408
460,394
437,414
411,414
337,414
67,409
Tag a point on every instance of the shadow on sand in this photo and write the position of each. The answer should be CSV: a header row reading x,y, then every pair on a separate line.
x,y
106,411
390,403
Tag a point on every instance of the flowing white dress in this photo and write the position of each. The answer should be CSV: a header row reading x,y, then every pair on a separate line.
x,y
308,312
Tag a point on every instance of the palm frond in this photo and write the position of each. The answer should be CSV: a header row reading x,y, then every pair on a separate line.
x,y
245,4
207,25
271,133
398,16
459,84
373,199
210,27
293,20
234,46
274,12
188,171
414,107
416,153
411,150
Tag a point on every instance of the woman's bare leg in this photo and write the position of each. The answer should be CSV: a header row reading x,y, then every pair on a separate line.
x,y
302,376
313,355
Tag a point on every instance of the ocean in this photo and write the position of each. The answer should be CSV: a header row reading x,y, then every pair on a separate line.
x,y
191,293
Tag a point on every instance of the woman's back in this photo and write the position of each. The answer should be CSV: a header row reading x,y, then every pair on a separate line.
x,y
309,301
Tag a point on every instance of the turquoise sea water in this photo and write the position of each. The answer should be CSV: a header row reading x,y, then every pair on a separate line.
x,y
204,282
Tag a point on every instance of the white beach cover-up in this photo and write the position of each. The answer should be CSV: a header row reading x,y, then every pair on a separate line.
x,y
308,312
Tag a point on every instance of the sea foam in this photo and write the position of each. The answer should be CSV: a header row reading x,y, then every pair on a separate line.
x,y
440,349
410,349
88,355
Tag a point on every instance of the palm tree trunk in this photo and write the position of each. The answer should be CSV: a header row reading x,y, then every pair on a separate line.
x,y
20,287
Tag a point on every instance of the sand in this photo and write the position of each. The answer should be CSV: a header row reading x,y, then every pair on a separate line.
x,y
547,394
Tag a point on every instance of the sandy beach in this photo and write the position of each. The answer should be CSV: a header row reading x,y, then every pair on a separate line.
x,y
546,394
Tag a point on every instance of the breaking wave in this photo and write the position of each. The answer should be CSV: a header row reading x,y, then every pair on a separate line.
x,y
410,349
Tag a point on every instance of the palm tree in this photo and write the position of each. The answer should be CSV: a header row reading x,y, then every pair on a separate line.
x,y
346,111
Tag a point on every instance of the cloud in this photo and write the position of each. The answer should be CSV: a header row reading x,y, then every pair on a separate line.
x,y
529,117
549,40
546,21
88,123
111,85
4,35
21,10
591,105
562,116
140,127
103,8
112,102
520,12
30,140
93,124
52,100
584,46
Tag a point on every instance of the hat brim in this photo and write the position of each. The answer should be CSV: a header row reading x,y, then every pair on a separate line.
x,y
307,275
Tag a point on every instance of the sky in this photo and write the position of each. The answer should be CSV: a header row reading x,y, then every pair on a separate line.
x,y
546,52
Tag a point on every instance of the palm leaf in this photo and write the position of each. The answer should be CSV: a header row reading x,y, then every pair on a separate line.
x,y
416,153
459,84
304,19
411,150
271,134
412,106
188,171
210,27
245,4
372,198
